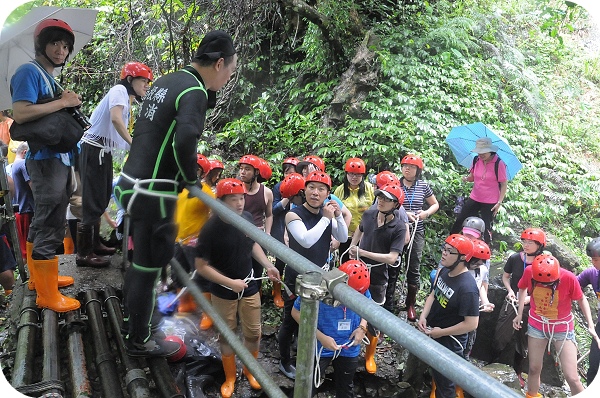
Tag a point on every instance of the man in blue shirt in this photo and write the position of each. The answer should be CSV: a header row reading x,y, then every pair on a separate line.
x,y
31,86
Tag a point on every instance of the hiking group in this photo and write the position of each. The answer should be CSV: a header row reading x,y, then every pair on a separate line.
x,y
370,231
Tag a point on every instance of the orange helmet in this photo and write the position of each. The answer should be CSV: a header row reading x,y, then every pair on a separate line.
x,y
356,166
252,160
291,160
291,185
319,176
461,243
136,69
203,162
386,177
414,160
264,169
230,186
545,268
53,23
481,250
216,164
358,275
315,160
535,234
391,191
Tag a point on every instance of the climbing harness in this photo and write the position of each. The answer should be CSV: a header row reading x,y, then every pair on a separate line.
x,y
246,280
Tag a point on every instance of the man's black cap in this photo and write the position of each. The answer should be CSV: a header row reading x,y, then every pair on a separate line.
x,y
216,44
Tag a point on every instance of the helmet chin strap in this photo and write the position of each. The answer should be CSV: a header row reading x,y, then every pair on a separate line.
x,y
312,207
539,251
458,261
53,64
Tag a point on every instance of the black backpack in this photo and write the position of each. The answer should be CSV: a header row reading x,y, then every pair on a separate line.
x,y
476,158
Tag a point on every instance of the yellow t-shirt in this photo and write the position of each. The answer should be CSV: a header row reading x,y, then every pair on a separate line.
x,y
191,214
356,205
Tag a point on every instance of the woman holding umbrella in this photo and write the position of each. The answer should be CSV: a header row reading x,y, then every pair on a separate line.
x,y
489,178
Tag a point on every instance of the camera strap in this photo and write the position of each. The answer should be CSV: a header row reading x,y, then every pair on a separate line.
x,y
44,73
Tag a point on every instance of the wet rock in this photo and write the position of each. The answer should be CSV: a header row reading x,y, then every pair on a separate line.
x,y
503,373
563,254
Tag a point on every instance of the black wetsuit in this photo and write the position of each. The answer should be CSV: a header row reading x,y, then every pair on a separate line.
x,y
164,147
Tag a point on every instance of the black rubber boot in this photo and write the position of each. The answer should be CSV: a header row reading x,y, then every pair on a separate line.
x,y
85,254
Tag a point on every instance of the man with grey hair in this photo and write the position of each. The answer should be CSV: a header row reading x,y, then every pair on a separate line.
x,y
22,196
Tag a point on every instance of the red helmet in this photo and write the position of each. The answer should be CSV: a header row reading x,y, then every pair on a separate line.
x,y
230,186
545,268
392,190
136,69
53,23
319,176
358,275
252,160
291,185
317,161
215,164
386,177
182,348
461,243
292,160
264,169
356,166
481,250
535,234
203,162
413,159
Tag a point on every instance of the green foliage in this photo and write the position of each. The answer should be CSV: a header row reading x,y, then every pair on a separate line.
x,y
512,65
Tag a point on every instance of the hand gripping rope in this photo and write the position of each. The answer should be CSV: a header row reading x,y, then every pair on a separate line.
x,y
336,353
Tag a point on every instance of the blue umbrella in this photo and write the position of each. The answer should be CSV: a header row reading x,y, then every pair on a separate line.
x,y
462,141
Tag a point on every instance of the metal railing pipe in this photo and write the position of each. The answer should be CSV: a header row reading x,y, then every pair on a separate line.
x,y
462,372
267,384
307,329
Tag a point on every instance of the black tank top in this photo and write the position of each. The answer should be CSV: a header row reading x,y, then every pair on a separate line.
x,y
256,205
317,253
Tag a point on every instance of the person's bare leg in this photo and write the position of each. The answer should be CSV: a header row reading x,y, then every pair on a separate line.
x,y
537,347
568,363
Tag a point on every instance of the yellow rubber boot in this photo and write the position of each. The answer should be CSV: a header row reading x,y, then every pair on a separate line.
x,y
277,299
253,382
230,375
370,364
432,394
62,280
186,303
206,322
46,286
459,392
538,395
69,245
30,266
